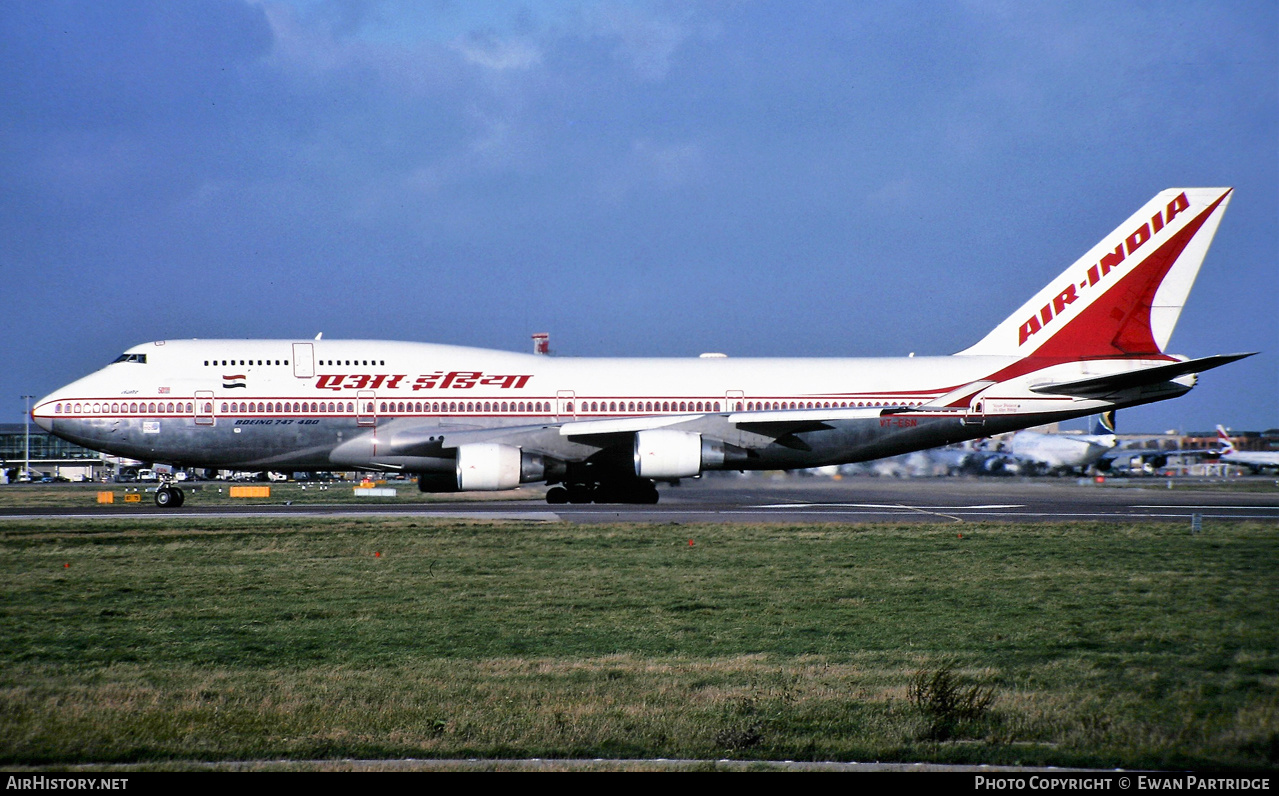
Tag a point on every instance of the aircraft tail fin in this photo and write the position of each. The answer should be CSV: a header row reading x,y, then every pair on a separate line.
x,y
1122,298
1227,446
1103,423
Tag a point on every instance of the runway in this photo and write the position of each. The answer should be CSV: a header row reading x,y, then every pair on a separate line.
x,y
929,500
796,499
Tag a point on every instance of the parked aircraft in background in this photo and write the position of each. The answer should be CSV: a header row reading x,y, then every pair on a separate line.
x,y
1139,458
1253,459
1033,452
606,430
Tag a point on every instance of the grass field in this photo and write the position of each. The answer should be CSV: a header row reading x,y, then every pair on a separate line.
x,y
262,639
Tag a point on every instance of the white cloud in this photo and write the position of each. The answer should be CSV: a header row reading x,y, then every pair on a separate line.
x,y
493,52
646,43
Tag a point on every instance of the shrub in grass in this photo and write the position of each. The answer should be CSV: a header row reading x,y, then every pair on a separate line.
x,y
946,701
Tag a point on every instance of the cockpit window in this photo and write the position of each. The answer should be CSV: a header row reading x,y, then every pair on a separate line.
x,y
139,358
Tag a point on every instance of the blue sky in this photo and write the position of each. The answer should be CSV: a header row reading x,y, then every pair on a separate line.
x,y
636,178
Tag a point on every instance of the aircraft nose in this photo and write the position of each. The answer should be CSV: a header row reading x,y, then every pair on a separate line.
x,y
40,413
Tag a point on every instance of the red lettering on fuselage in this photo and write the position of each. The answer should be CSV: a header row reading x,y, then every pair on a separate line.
x,y
898,422
455,379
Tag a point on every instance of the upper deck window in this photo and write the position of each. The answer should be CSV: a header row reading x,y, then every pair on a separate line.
x,y
139,358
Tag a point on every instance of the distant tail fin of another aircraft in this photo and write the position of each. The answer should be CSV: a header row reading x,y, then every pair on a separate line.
x,y
1122,298
1103,423
1227,446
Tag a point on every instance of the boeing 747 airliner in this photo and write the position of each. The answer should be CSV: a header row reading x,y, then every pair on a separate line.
x,y
606,430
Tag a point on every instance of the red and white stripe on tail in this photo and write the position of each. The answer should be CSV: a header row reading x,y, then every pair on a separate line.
x,y
1224,440
1123,298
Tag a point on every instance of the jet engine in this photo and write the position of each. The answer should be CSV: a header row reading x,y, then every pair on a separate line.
x,y
489,466
663,453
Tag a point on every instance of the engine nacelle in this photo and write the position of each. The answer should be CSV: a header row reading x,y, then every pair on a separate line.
x,y
490,466
667,453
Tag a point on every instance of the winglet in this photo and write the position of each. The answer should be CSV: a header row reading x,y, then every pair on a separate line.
x,y
1122,298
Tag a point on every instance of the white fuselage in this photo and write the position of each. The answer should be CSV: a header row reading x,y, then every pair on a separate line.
x,y
282,404
1060,451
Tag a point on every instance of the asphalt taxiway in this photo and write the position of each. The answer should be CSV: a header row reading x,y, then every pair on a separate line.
x,y
851,500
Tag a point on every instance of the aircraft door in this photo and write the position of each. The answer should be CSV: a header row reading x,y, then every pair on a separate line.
x,y
734,401
366,408
204,407
303,360
976,414
565,405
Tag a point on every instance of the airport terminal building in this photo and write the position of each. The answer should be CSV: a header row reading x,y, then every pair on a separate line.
x,y
50,456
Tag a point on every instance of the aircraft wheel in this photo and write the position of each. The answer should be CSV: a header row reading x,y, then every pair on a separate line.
x,y
165,499
580,493
645,494
179,497
641,493
557,494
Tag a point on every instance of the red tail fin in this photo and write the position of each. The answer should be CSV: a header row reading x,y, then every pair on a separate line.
x,y
1123,297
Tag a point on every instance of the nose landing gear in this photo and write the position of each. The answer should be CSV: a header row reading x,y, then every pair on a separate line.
x,y
169,496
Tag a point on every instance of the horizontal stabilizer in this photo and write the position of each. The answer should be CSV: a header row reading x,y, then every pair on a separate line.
x,y
1101,386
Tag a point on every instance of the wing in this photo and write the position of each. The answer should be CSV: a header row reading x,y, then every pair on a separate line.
x,y
577,440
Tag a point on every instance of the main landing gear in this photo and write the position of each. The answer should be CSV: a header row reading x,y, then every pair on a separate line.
x,y
644,492
169,496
